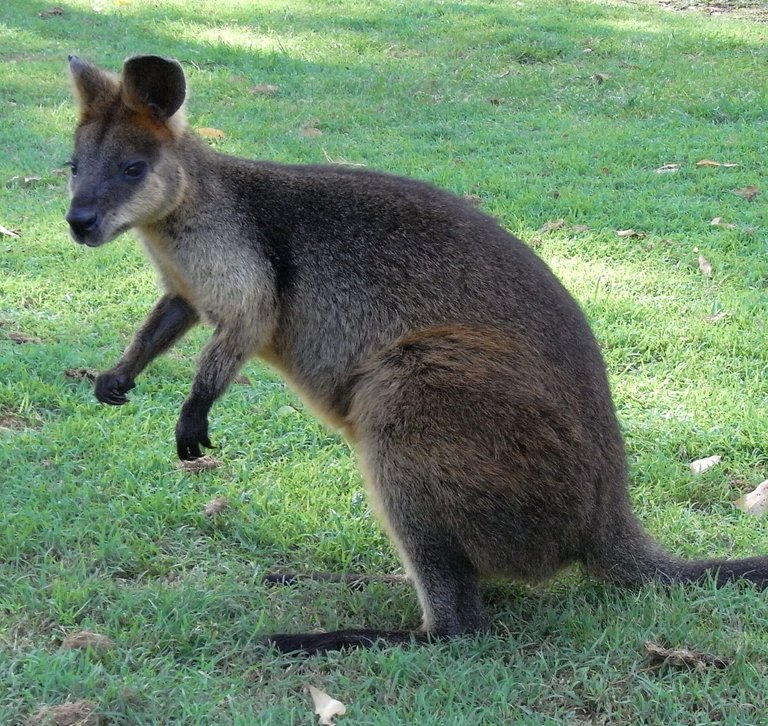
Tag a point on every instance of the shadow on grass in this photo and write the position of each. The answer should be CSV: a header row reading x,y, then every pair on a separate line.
x,y
232,37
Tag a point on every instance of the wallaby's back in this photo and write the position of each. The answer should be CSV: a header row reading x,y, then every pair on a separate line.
x,y
464,373
364,258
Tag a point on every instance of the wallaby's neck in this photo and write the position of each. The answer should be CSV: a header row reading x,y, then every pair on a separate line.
x,y
202,175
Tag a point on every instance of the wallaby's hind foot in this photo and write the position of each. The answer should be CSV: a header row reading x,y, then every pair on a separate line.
x,y
451,606
315,643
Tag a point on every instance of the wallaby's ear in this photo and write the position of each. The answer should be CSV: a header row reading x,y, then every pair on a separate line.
x,y
154,84
94,87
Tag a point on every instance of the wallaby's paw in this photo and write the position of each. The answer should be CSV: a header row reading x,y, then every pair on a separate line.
x,y
111,388
191,434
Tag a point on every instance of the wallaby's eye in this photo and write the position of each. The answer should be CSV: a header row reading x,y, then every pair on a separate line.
x,y
134,170
73,167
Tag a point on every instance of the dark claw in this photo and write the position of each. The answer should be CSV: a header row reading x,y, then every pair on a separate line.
x,y
191,434
188,452
111,388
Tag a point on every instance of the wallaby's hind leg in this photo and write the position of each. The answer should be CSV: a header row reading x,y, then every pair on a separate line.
x,y
405,489
448,593
447,587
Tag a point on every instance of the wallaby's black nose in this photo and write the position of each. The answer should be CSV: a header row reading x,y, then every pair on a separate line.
x,y
82,220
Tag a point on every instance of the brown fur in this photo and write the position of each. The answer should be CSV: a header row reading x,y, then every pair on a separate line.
x,y
463,372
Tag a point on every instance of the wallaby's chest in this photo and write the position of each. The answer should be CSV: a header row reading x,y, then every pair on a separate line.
x,y
225,280
175,276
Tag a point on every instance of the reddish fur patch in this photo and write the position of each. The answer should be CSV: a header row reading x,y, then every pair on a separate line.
x,y
146,121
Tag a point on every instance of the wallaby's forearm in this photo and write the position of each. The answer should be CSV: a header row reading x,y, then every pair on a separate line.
x,y
220,361
171,317
169,320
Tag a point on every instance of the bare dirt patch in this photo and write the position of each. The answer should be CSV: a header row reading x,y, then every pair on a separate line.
x,y
9,421
77,713
80,374
86,639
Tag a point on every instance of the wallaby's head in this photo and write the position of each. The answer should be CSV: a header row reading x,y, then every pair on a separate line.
x,y
126,170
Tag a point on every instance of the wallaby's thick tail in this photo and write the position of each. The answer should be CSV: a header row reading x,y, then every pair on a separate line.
x,y
634,557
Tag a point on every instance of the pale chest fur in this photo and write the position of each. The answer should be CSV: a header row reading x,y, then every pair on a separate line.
x,y
173,276
226,290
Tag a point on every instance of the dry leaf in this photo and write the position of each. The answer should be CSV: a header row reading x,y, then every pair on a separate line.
x,y
202,463
716,317
309,132
26,181
340,160
216,506
17,337
555,224
86,639
79,713
326,708
718,222
705,266
8,232
286,410
668,168
242,380
50,13
210,133
755,502
701,465
80,374
264,88
682,657
580,228
631,233
600,78
709,162
749,192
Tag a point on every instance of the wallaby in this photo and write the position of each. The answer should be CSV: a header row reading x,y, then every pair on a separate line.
x,y
464,374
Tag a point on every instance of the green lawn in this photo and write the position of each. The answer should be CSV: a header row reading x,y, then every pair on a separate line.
x,y
542,111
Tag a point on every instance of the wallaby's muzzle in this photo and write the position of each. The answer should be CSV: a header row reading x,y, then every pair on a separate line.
x,y
84,225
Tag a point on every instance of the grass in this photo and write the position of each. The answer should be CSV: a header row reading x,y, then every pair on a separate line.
x,y
543,112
